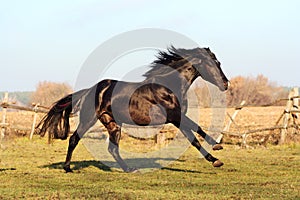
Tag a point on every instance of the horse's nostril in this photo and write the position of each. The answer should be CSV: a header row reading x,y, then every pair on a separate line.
x,y
226,85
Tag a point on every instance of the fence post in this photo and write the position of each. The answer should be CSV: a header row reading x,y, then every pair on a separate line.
x,y
231,118
36,107
160,138
3,127
295,104
286,117
244,140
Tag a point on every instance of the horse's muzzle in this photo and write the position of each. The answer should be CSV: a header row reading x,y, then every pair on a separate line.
x,y
226,85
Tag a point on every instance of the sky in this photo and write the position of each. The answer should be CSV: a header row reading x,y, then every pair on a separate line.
x,y
51,40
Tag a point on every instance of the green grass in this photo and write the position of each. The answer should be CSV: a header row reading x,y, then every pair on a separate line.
x,y
33,170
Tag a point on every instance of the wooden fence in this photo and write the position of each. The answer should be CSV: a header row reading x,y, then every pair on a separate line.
x,y
286,120
5,104
288,117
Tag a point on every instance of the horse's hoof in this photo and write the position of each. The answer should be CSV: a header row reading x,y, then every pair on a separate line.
x,y
218,163
68,170
217,147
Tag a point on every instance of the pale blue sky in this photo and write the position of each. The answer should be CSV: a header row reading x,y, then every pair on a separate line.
x,y
50,40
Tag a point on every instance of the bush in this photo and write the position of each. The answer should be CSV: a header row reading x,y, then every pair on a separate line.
x,y
49,92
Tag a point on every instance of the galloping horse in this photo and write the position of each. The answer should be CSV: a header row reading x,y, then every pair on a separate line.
x,y
161,98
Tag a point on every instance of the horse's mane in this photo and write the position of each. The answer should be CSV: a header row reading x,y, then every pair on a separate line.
x,y
166,61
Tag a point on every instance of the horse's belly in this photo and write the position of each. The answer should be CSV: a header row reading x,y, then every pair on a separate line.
x,y
153,115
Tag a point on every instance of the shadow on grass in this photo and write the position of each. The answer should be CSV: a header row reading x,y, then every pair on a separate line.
x,y
139,163
7,169
186,170
77,165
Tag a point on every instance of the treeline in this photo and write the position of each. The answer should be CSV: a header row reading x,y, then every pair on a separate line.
x,y
22,98
46,94
256,91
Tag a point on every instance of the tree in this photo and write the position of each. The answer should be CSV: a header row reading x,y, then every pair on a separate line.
x,y
254,90
49,92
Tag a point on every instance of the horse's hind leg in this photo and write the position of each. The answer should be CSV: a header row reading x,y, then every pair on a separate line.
x,y
87,119
74,139
114,131
113,147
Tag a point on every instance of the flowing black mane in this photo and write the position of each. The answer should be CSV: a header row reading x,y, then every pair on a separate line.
x,y
166,61
174,58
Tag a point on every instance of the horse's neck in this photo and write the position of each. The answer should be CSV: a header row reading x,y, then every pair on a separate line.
x,y
173,81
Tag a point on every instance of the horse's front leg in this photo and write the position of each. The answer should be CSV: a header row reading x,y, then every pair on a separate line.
x,y
193,140
188,124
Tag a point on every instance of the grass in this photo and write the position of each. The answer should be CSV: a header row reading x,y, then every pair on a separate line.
x,y
33,170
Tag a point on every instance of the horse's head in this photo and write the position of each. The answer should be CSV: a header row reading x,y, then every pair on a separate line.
x,y
190,63
208,67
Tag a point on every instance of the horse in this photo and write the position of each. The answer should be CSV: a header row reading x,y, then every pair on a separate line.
x,y
159,99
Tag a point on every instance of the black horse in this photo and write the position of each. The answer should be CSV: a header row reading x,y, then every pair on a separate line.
x,y
161,98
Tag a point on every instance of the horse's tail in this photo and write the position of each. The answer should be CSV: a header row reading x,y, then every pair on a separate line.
x,y
56,121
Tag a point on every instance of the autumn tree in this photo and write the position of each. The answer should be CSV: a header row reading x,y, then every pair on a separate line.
x,y
254,90
48,92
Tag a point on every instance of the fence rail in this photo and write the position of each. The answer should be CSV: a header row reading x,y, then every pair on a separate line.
x,y
5,104
35,108
288,117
